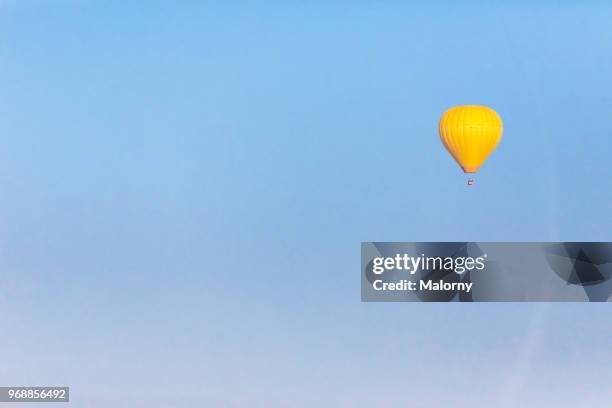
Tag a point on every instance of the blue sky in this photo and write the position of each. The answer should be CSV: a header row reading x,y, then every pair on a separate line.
x,y
185,188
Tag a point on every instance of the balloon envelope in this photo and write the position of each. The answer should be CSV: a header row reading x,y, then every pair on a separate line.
x,y
470,133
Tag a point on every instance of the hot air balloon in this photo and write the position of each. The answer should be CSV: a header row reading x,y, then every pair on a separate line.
x,y
470,133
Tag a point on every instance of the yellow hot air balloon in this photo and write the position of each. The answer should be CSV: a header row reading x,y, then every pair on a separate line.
x,y
470,133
